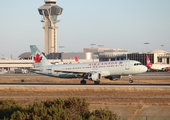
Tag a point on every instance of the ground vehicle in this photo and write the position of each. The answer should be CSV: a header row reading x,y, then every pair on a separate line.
x,y
20,71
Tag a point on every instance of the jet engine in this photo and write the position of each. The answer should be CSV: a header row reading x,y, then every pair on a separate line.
x,y
114,77
94,76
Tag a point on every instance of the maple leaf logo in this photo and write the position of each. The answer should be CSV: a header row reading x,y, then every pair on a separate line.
x,y
37,58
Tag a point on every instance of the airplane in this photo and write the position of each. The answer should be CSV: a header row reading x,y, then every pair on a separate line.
x,y
156,66
94,71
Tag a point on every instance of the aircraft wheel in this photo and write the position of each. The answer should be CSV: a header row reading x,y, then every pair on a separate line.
x,y
96,82
82,82
130,81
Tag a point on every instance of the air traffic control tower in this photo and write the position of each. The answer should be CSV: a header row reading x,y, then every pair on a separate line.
x,y
50,12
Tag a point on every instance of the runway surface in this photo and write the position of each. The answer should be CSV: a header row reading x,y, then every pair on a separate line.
x,y
66,83
87,86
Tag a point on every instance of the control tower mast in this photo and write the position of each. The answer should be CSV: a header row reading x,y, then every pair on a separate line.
x,y
50,12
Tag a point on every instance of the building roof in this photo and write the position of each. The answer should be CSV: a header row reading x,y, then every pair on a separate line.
x,y
157,51
25,55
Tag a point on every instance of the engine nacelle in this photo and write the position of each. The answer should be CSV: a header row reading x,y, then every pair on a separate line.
x,y
94,76
114,77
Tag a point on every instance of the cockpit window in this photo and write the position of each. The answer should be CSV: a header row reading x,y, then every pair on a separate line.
x,y
136,64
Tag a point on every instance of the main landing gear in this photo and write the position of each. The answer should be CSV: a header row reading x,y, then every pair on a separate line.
x,y
130,79
96,82
83,82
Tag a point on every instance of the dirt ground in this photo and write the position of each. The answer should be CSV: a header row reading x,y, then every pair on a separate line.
x,y
128,103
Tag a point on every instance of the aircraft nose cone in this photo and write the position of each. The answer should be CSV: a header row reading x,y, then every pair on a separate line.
x,y
145,68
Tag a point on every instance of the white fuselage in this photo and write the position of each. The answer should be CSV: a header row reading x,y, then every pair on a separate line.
x,y
159,66
106,68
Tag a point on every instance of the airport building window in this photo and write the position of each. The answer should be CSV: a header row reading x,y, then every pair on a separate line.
x,y
159,59
167,60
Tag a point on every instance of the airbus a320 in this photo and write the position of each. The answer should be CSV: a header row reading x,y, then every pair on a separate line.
x,y
94,71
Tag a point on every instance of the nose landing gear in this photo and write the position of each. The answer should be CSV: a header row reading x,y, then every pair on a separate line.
x,y
130,79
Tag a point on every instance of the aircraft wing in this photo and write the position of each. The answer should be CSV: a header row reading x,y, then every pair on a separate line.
x,y
104,73
74,72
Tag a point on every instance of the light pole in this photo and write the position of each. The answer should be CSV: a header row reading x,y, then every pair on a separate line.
x,y
100,46
92,51
92,45
2,56
146,43
61,47
162,46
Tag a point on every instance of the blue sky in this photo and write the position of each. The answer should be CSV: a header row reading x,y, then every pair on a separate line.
x,y
125,24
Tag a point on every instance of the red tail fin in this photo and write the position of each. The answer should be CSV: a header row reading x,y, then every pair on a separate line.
x,y
148,62
76,59
169,69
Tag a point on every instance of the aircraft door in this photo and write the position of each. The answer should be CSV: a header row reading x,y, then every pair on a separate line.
x,y
127,65
95,67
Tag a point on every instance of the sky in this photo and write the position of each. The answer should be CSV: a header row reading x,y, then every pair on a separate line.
x,y
124,24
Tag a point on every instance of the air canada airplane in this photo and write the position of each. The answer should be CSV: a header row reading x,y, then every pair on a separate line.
x,y
93,71
156,66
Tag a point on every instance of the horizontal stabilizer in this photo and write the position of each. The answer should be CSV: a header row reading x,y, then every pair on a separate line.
x,y
35,69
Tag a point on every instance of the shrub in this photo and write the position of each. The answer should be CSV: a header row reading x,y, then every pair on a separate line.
x,y
70,109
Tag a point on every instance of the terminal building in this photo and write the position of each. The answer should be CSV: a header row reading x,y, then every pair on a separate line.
x,y
154,55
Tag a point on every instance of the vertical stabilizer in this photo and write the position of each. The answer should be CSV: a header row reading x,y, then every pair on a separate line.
x,y
148,62
76,59
38,57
